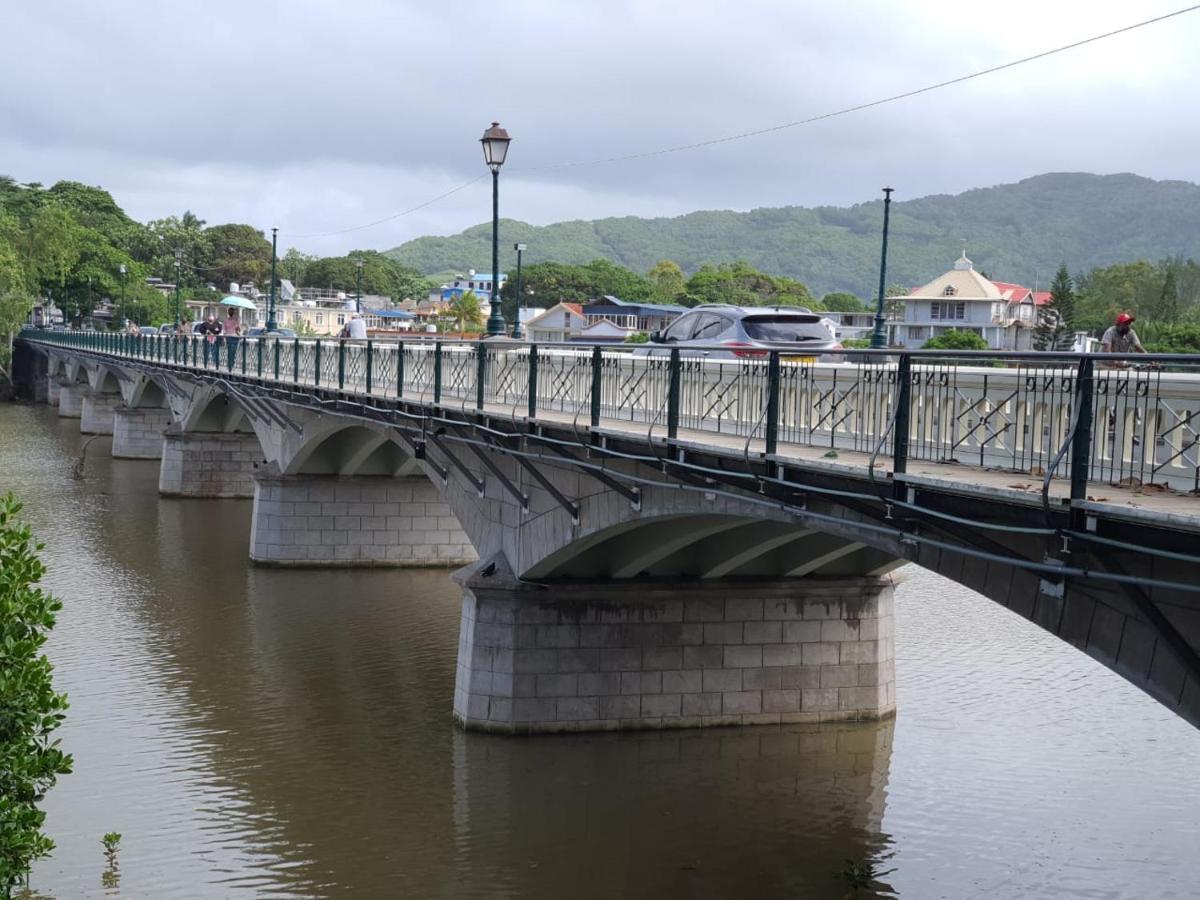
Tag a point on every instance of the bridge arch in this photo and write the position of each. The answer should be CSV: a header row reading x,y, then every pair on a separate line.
x,y
708,546
351,450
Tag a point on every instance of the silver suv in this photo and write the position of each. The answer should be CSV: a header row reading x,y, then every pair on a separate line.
x,y
728,332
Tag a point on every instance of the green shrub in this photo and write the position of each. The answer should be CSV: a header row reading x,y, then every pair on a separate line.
x,y
30,710
956,340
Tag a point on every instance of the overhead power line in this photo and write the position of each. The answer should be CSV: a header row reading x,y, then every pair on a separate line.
x,y
740,136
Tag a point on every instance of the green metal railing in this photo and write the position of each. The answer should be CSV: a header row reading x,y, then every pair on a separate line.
x,y
1051,414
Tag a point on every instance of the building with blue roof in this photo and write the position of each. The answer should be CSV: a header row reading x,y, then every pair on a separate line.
x,y
478,283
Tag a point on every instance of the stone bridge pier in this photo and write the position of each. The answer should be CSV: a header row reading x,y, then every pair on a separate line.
x,y
595,607
211,449
100,400
71,388
570,657
351,495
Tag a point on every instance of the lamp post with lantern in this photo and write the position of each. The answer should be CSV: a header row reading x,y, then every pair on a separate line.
x,y
495,143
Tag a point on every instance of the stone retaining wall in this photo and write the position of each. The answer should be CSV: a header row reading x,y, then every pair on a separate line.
x,y
52,389
313,520
614,656
138,433
209,464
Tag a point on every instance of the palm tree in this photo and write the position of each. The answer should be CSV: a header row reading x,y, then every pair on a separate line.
x,y
465,312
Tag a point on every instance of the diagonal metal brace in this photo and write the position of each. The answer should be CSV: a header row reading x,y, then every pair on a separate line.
x,y
632,494
567,504
520,497
418,449
476,483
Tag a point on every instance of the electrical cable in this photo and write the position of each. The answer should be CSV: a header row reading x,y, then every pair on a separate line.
x,y
758,132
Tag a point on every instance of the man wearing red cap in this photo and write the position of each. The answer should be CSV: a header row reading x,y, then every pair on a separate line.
x,y
1121,338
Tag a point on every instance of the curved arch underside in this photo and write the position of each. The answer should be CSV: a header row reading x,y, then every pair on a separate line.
x,y
352,450
710,547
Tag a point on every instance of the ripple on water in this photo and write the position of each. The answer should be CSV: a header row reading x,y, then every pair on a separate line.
x,y
287,734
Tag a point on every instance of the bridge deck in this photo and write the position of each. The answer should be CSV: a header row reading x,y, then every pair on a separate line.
x,y
1132,501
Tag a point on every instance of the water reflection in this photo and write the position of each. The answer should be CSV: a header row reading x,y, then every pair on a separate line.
x,y
287,733
722,813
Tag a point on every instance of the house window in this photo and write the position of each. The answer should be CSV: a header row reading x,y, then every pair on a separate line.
x,y
918,332
471,285
950,291
948,310
296,317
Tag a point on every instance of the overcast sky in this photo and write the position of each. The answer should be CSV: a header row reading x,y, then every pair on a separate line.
x,y
322,115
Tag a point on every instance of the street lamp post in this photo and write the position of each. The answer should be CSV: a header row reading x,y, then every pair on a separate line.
x,y
495,148
879,336
516,332
178,278
272,324
358,263
121,269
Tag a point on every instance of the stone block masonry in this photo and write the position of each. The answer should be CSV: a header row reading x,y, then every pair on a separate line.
x,y
70,400
209,464
138,433
650,655
96,412
52,389
315,520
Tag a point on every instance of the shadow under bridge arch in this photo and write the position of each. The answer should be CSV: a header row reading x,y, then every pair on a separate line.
x,y
710,546
349,450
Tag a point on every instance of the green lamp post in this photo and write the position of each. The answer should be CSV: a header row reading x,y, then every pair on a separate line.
x,y
495,143
879,336
178,279
517,332
272,324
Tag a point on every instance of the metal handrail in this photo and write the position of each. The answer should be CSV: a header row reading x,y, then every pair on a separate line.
x,y
945,394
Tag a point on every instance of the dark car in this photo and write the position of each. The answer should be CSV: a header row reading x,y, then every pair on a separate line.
x,y
732,332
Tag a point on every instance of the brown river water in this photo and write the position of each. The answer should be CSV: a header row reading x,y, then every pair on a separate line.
x,y
268,733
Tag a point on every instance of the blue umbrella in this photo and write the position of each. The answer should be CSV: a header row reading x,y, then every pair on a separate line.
x,y
239,302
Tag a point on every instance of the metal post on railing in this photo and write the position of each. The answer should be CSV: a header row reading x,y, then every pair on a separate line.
x,y
370,348
900,424
480,372
317,367
341,365
242,344
437,372
673,395
276,352
295,360
1081,445
533,380
399,369
773,381
597,384
258,350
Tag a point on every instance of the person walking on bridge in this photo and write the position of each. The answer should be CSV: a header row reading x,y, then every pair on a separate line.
x,y
210,329
356,328
1121,338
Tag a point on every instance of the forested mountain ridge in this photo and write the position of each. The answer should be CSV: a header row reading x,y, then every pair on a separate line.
x,y
1015,232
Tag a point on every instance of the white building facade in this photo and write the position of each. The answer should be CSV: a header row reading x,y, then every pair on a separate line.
x,y
1003,314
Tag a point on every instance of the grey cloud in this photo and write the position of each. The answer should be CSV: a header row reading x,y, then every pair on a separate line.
x,y
320,115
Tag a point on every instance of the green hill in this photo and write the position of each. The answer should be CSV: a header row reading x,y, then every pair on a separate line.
x,y
1014,232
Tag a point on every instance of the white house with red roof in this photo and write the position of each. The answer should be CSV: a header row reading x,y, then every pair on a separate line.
x,y
1002,313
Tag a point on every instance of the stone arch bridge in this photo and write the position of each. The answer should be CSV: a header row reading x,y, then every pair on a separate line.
x,y
620,572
